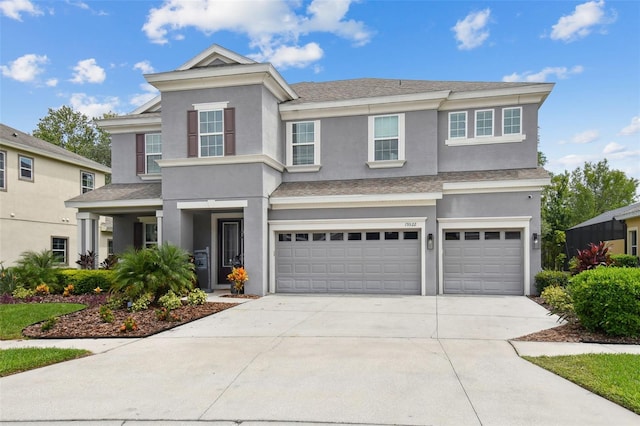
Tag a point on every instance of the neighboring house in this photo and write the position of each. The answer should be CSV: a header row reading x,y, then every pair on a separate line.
x,y
36,177
618,228
353,186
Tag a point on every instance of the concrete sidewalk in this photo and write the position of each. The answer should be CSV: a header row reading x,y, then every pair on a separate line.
x,y
320,360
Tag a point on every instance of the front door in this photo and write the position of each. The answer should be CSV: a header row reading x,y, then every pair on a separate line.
x,y
229,246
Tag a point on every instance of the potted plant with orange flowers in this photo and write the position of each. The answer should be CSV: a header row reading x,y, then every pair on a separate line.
x,y
237,278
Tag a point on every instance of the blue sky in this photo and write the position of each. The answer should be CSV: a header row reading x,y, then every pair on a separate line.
x,y
91,55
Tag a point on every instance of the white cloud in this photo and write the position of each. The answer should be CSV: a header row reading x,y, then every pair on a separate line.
x,y
581,22
291,56
632,128
88,71
275,34
91,107
587,136
26,68
139,99
471,32
542,76
613,147
572,161
52,82
144,66
13,8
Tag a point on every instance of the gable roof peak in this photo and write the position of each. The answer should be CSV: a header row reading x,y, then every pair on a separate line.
x,y
215,55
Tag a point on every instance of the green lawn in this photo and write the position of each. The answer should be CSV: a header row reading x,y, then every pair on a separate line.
x,y
22,359
13,318
612,376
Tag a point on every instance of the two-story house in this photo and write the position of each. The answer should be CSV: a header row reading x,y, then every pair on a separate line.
x,y
355,186
36,177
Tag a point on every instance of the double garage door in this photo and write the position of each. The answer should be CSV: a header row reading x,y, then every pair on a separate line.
x,y
483,262
371,261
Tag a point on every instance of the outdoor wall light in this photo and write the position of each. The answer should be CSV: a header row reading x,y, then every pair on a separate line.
x,y
536,240
430,242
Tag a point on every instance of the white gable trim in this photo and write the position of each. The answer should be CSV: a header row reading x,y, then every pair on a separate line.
x,y
212,53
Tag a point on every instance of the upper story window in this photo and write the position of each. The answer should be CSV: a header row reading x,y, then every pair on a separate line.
x,y
152,152
3,170
512,121
303,146
457,125
211,133
484,123
386,141
87,181
25,166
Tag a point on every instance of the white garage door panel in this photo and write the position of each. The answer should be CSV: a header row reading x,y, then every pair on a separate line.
x,y
347,266
485,265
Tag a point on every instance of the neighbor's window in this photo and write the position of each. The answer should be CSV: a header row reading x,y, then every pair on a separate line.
x,y
512,121
59,248
87,181
152,152
633,242
457,125
3,170
484,123
211,133
150,235
303,143
25,165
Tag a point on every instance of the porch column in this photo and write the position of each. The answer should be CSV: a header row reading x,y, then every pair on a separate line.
x,y
159,216
88,233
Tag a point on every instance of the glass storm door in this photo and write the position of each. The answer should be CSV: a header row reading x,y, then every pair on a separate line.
x,y
229,247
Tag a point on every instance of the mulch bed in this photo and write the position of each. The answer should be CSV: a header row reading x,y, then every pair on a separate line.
x,y
88,324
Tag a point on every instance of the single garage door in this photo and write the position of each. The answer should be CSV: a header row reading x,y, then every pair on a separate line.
x,y
378,262
483,262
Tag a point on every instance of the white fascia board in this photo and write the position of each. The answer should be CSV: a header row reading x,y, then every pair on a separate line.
x,y
150,106
231,159
352,201
364,106
151,122
212,204
537,89
87,165
348,224
152,202
493,98
241,75
482,187
628,215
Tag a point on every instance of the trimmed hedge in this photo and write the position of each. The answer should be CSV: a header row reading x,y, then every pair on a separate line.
x,y
624,261
548,277
608,300
85,281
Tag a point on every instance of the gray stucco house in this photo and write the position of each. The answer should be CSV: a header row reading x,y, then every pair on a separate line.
x,y
354,186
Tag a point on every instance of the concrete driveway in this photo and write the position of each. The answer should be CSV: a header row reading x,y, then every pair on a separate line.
x,y
319,360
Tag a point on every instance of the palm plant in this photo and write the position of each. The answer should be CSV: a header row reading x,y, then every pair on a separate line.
x,y
154,271
35,268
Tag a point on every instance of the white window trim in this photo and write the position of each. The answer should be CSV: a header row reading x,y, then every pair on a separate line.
x,y
493,123
33,175
629,246
66,249
316,148
372,163
486,140
207,134
146,155
511,134
82,187
209,106
3,171
466,125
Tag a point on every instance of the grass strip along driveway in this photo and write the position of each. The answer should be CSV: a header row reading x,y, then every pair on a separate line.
x,y
13,318
615,377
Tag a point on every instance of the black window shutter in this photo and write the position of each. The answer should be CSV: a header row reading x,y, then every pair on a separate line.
x,y
137,235
192,133
229,131
140,169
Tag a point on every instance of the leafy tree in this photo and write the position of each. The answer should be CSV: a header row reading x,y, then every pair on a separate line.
x,y
77,133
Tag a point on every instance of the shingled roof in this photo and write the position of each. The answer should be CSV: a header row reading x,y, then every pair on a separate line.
x,y
362,88
121,191
400,185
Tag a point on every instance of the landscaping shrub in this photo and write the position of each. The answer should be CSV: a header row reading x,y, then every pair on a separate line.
x,y
155,270
559,301
196,297
8,280
23,293
593,256
142,303
85,281
170,301
624,261
35,268
547,277
608,299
